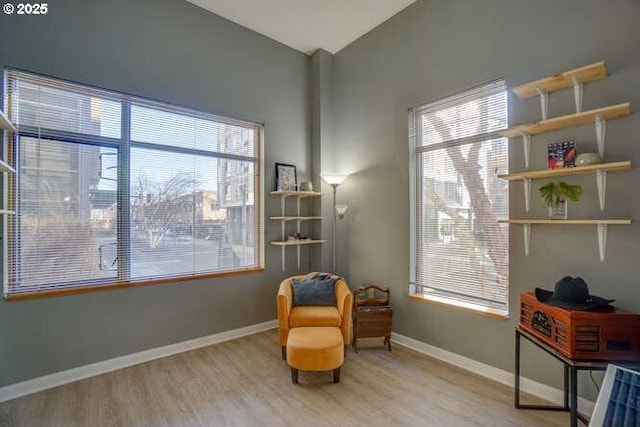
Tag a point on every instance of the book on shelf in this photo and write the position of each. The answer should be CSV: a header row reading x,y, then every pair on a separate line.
x,y
561,155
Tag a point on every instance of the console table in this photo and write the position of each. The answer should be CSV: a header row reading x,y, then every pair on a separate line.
x,y
372,314
571,368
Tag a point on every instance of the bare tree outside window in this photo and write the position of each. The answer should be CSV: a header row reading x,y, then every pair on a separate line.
x,y
156,207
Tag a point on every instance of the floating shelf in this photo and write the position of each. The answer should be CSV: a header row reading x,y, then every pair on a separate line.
x,y
610,112
561,81
5,123
601,228
6,212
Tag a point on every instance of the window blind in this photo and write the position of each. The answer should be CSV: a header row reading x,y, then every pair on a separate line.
x,y
112,189
459,251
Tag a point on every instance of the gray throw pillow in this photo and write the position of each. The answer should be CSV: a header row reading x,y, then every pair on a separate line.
x,y
314,292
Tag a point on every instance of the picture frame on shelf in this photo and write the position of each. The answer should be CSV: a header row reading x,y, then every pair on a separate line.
x,y
286,177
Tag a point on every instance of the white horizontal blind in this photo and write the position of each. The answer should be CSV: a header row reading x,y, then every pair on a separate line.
x,y
460,252
113,189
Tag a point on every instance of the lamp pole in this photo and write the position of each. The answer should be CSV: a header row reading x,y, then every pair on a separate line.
x,y
334,179
335,225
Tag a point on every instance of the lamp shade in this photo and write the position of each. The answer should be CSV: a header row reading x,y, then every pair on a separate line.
x,y
341,210
334,178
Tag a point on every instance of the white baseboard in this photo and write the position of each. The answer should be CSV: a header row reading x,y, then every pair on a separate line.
x,y
64,377
534,388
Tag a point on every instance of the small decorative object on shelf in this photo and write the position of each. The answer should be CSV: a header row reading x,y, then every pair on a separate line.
x,y
297,236
585,159
561,155
555,195
372,314
286,178
306,186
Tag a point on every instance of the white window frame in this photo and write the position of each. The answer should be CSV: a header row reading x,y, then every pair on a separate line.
x,y
416,292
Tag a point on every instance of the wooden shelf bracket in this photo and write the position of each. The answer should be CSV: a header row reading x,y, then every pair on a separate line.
x,y
577,93
544,101
600,132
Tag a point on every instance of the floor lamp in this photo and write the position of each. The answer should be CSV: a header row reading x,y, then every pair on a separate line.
x,y
335,179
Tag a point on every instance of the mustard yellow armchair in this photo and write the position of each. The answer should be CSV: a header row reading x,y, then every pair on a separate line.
x,y
293,317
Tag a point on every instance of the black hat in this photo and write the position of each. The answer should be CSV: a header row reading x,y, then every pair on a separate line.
x,y
571,293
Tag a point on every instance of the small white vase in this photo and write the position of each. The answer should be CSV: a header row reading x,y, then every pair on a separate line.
x,y
559,210
585,159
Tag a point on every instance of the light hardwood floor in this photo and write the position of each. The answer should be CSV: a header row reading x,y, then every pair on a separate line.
x,y
245,383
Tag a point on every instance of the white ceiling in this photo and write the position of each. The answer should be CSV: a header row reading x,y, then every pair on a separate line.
x,y
307,25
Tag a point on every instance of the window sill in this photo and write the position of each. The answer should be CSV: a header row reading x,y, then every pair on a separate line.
x,y
123,285
459,305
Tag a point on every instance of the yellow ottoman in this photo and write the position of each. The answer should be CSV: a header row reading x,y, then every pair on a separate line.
x,y
317,348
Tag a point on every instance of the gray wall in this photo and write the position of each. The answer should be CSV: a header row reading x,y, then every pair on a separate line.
x,y
436,48
176,52
173,51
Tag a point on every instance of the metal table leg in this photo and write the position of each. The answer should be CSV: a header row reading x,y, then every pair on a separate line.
x,y
566,386
574,397
517,372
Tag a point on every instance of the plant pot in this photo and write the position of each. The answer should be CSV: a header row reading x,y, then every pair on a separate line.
x,y
559,210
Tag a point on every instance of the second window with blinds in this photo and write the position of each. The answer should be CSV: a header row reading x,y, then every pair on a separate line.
x,y
459,252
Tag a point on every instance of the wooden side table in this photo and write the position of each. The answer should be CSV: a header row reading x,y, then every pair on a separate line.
x,y
372,314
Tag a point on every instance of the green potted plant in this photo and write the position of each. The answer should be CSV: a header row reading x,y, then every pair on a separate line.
x,y
555,195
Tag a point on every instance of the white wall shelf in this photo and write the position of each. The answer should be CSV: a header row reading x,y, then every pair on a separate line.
x,y
298,219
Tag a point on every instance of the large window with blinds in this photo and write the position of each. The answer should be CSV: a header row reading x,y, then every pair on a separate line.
x,y
460,253
115,190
